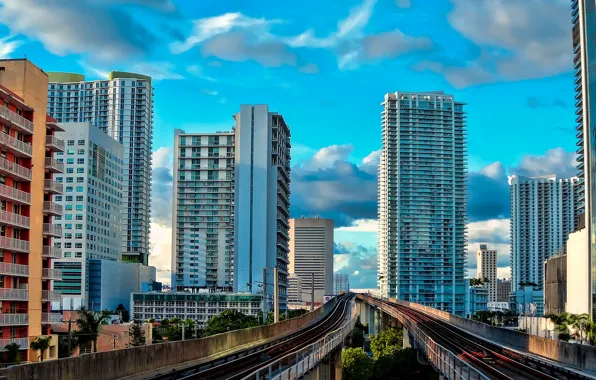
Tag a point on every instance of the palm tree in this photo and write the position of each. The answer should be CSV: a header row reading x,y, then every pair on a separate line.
x,y
13,353
90,322
581,323
41,344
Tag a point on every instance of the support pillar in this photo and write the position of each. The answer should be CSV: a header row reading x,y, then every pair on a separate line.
x,y
406,339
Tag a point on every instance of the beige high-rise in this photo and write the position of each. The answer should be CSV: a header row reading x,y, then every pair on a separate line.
x,y
311,252
486,262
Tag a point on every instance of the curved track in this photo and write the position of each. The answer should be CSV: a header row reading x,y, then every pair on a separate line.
x,y
239,365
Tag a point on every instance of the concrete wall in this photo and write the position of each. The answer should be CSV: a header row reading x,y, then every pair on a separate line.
x,y
580,356
134,361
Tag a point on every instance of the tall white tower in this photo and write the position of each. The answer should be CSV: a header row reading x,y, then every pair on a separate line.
x,y
486,269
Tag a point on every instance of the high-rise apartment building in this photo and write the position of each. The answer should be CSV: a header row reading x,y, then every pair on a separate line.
x,y
311,254
261,200
122,106
503,290
27,208
486,268
341,283
422,200
295,290
92,204
542,216
203,212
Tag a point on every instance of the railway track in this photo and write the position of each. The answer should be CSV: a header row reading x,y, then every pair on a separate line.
x,y
240,365
493,360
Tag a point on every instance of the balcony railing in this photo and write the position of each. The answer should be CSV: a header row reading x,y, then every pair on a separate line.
x,y
52,230
10,269
54,165
13,219
51,318
52,274
8,193
16,120
16,146
7,319
53,187
9,294
14,170
22,342
55,144
52,252
52,208
11,244
50,295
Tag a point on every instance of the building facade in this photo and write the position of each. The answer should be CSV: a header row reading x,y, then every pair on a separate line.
x,y
422,200
311,254
200,307
295,290
503,290
341,283
122,106
542,216
486,264
476,299
92,204
555,285
203,212
527,301
261,201
27,188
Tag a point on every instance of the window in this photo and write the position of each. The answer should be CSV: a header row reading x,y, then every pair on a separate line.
x,y
68,207
58,198
68,179
70,143
81,142
80,161
69,170
68,217
78,235
70,152
78,226
68,226
70,161
79,254
69,189
80,151
79,208
67,245
67,254
80,170
80,189
80,198
79,217
69,198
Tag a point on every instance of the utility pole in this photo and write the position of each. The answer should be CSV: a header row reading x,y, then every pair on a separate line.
x,y
275,296
265,295
114,342
69,334
182,331
312,292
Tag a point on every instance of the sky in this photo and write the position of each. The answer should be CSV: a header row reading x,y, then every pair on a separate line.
x,y
326,65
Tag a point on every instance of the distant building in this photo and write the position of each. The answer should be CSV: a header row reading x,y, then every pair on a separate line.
x,y
295,290
498,306
199,307
311,253
527,301
486,263
503,290
579,293
555,284
476,298
341,283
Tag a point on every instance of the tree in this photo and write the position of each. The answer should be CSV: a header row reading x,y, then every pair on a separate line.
x,y
124,314
581,323
386,342
13,353
90,323
402,365
476,282
356,364
41,344
137,334
229,320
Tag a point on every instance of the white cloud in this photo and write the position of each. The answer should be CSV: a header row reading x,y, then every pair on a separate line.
x,y
7,46
157,70
161,251
328,156
94,71
163,158
361,225
197,71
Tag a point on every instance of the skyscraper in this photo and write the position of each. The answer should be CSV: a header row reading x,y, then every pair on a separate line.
x,y
203,212
122,106
542,216
92,204
486,265
311,253
422,200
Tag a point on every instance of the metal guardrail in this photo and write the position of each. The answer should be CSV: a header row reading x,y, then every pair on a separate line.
x,y
16,119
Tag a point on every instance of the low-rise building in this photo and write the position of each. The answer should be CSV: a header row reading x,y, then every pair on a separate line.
x,y
200,307
476,298
527,301
498,306
341,283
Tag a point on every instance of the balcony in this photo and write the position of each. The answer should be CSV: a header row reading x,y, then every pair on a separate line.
x,y
16,245
7,319
50,295
13,170
54,166
9,269
52,124
51,318
15,220
51,274
8,193
9,294
52,208
17,147
22,342
54,144
52,252
52,230
16,121
53,187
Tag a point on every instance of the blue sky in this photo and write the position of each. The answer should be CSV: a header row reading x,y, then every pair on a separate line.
x,y
325,66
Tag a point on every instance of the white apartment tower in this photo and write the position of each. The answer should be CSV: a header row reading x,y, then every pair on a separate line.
x,y
311,254
486,269
422,200
261,201
122,106
92,204
203,212
542,216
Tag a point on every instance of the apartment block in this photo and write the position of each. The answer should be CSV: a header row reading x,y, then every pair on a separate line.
x,y
311,254
503,290
486,264
27,207
203,212
542,216
422,199
121,106
92,204
341,283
